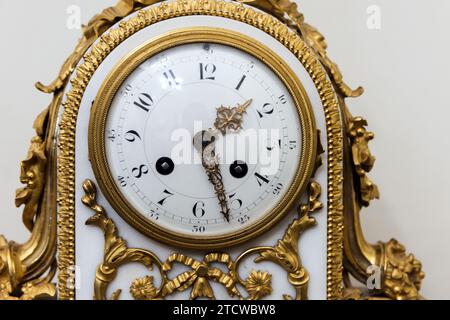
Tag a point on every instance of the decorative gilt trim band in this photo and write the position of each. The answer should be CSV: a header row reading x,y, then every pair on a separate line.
x,y
230,10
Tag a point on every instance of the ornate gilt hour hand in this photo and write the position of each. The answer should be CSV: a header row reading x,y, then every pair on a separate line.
x,y
204,142
231,118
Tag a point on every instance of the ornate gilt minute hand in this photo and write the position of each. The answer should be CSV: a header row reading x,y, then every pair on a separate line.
x,y
204,142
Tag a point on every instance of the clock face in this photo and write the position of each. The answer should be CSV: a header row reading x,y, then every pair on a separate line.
x,y
202,140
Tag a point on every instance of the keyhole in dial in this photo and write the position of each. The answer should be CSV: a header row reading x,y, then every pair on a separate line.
x,y
239,169
165,166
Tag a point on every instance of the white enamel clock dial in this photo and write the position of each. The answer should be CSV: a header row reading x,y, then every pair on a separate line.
x,y
165,102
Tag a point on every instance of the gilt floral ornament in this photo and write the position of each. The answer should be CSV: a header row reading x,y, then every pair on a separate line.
x,y
258,285
403,275
363,159
143,289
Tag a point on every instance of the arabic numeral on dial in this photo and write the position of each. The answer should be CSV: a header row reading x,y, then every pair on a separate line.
x,y
292,145
166,195
122,181
199,209
207,48
282,99
144,101
171,79
198,229
127,90
277,189
235,203
244,219
111,135
207,71
140,171
131,136
267,109
154,215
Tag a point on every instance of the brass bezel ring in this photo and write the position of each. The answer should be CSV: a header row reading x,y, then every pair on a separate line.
x,y
116,78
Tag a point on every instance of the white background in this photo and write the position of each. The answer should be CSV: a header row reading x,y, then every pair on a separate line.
x,y
403,66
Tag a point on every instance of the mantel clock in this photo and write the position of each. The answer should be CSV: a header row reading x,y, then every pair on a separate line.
x,y
199,149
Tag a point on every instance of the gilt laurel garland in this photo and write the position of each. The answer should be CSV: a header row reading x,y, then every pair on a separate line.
x,y
239,12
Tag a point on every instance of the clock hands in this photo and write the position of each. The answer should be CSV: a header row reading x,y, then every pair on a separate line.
x,y
228,119
204,142
231,118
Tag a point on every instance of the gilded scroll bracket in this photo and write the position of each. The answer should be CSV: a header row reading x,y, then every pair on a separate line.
x,y
401,273
257,285
363,160
16,260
